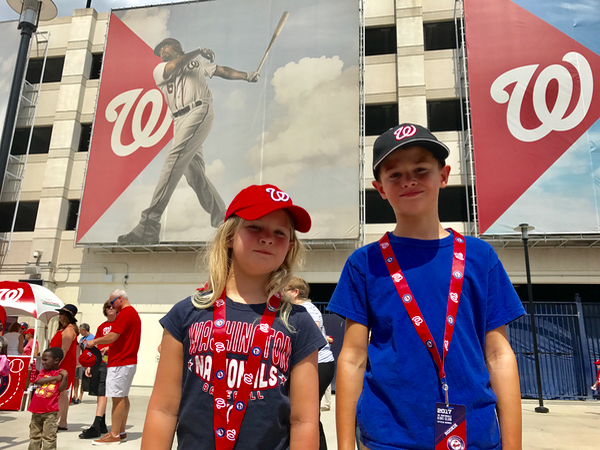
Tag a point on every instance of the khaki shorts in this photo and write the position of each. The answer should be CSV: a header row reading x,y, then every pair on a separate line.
x,y
119,379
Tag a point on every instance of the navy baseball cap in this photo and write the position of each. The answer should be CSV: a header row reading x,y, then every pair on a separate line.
x,y
166,41
406,135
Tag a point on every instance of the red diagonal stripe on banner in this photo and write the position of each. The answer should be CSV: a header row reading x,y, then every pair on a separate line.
x,y
127,71
502,36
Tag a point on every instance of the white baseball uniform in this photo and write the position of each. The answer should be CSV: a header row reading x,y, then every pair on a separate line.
x,y
190,101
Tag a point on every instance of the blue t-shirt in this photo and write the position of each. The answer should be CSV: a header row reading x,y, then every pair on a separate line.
x,y
266,424
401,387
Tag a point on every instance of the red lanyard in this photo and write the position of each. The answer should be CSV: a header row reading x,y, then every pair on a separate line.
x,y
227,430
410,303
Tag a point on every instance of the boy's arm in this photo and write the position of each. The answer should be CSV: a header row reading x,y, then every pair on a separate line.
x,y
504,379
351,366
47,380
304,401
64,381
161,417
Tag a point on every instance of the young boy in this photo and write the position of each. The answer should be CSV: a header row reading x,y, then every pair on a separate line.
x,y
423,292
44,403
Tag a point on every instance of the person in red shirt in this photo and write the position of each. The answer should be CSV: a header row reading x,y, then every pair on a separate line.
x,y
44,403
595,385
124,336
98,377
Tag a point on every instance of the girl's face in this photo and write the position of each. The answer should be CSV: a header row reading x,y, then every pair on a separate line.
x,y
259,246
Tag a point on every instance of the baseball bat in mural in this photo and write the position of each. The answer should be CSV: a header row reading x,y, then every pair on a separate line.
x,y
278,29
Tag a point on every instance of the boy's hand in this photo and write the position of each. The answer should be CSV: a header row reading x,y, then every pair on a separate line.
x,y
504,380
63,373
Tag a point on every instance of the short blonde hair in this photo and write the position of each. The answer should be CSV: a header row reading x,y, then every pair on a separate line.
x,y
218,259
301,285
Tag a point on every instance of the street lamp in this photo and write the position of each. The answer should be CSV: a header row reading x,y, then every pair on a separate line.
x,y
31,12
525,228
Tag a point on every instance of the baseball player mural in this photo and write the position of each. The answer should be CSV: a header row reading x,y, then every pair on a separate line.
x,y
155,133
181,78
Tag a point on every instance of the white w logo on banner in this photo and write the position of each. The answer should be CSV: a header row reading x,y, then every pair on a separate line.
x,y
555,119
142,137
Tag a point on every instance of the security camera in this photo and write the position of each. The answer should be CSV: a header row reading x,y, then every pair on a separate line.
x,y
37,254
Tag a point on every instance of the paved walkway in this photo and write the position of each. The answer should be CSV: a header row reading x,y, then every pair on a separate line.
x,y
570,425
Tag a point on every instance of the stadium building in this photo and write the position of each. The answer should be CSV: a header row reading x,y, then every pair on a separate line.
x,y
413,67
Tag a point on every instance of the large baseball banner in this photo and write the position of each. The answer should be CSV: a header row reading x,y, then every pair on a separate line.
x,y
534,73
200,99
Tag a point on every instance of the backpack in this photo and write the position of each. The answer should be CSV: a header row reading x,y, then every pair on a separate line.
x,y
4,366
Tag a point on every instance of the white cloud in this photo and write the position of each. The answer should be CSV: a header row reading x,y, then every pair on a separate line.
x,y
318,124
149,24
235,101
215,169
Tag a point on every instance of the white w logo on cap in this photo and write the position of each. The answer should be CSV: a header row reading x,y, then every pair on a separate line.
x,y
278,196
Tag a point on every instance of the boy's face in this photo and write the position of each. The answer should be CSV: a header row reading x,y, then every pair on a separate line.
x,y
48,361
410,179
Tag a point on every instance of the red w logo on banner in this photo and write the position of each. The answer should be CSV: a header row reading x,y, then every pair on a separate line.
x,y
132,123
532,96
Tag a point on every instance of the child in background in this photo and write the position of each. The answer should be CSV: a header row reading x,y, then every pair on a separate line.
x,y
595,385
50,382
239,344
436,305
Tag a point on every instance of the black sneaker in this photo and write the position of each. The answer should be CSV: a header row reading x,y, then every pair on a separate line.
x,y
131,239
90,433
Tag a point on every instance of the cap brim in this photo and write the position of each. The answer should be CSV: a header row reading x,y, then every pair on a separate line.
x,y
437,148
302,220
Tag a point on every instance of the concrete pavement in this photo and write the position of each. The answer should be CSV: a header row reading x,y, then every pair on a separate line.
x,y
570,425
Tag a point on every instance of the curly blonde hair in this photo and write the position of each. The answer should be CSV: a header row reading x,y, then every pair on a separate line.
x,y
218,260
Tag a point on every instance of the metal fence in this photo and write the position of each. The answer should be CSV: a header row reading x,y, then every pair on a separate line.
x,y
568,344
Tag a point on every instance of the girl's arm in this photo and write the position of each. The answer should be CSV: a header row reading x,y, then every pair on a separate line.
x,y
351,366
20,344
161,417
304,402
504,379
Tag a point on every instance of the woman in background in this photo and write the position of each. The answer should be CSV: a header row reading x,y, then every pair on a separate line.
x,y
66,339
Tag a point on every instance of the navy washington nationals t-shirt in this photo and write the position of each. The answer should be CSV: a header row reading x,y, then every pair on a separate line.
x,y
266,424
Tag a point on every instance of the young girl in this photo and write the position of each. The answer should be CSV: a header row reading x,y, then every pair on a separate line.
x,y
238,361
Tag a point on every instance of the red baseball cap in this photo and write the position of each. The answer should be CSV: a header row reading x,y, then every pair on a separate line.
x,y
31,331
597,362
90,357
257,201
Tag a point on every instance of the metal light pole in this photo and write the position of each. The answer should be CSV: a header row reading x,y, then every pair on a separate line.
x,y
525,228
31,12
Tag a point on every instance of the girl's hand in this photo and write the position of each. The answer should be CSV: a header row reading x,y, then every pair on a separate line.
x,y
304,402
161,416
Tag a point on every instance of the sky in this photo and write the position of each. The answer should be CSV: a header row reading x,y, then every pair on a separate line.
x,y
66,7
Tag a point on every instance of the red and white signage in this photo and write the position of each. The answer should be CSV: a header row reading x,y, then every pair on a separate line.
x,y
132,124
533,97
